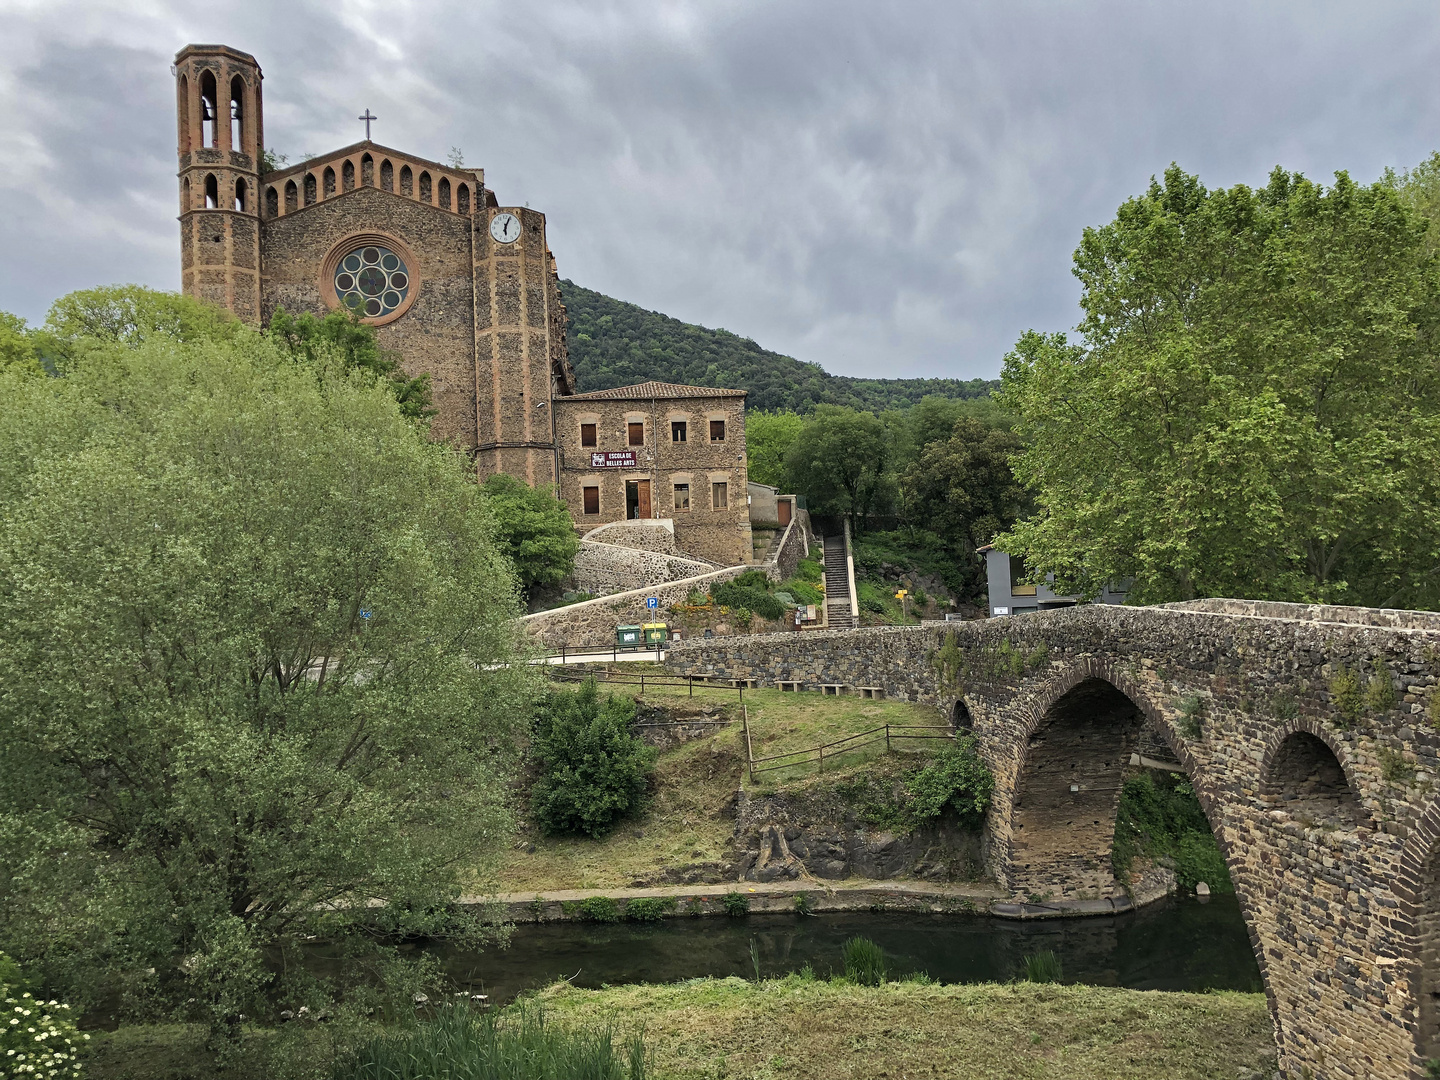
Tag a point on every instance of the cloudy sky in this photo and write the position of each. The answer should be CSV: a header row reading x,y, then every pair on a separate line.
x,y
886,189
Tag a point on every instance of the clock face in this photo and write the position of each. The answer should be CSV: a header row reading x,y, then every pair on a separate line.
x,y
505,228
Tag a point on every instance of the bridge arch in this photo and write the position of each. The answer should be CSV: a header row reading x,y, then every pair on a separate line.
x,y
1418,889
1304,773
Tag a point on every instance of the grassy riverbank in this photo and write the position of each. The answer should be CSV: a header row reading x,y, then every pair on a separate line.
x,y
791,1028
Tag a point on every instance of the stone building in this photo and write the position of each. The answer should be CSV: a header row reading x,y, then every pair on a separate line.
x,y
659,451
459,286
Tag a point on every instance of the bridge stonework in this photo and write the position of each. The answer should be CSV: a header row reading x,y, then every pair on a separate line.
x,y
1309,735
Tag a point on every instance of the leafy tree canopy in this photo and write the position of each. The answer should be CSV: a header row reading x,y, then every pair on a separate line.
x,y
1253,408
534,529
342,334
256,671
768,438
613,343
839,460
17,350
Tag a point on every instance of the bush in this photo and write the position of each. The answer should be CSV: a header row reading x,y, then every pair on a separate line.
x,y
811,570
593,772
649,908
512,1044
802,591
871,596
737,905
731,594
1042,967
1165,819
596,909
864,962
37,1038
956,777
534,529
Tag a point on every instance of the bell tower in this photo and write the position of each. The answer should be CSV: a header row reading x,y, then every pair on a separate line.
x,y
221,136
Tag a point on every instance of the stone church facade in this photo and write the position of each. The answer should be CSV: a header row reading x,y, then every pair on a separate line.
x,y
461,287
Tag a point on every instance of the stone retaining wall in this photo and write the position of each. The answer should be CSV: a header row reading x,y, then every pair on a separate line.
x,y
657,535
593,622
605,568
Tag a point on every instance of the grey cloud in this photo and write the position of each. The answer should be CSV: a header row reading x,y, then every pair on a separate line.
x,y
884,189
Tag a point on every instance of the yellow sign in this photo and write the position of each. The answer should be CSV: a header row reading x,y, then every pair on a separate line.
x,y
901,594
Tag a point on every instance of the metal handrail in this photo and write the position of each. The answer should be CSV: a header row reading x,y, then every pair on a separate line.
x,y
889,730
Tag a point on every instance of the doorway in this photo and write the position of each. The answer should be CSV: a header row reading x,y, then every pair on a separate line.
x,y
637,499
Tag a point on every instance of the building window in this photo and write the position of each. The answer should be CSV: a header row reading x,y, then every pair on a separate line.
x,y
682,497
587,435
637,434
717,430
719,494
592,500
677,430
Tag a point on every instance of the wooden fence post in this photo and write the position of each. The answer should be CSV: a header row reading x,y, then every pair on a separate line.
x,y
749,753
887,738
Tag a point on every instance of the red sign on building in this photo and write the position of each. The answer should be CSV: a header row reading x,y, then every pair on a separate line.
x,y
612,459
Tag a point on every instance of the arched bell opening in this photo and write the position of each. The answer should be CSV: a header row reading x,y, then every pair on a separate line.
x,y
237,115
212,192
291,196
209,134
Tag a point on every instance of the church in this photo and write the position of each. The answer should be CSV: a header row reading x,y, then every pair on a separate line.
x,y
461,288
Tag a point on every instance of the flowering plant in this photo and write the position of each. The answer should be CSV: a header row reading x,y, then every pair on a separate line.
x,y
37,1038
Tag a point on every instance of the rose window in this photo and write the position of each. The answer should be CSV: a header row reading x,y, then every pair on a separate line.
x,y
372,281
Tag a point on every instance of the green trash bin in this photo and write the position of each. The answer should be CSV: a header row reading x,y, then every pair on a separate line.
x,y
656,633
628,637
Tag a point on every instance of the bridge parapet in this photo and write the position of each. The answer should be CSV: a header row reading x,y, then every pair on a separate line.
x,y
1308,732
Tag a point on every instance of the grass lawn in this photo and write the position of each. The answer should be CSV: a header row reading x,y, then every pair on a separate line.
x,y
729,1028
685,822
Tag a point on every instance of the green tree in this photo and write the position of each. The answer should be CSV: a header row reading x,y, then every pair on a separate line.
x,y
534,529
342,334
257,672
128,315
593,772
1419,189
1254,407
768,438
839,461
16,349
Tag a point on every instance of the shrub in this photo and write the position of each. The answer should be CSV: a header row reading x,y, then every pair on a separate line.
x,y
812,570
1165,819
1347,696
734,594
956,777
1190,709
864,962
802,591
37,1038
1380,691
594,909
737,905
803,905
593,772
1042,967
1394,769
513,1043
871,596
649,908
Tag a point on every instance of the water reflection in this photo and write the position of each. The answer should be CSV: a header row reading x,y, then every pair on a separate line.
x,y
1177,944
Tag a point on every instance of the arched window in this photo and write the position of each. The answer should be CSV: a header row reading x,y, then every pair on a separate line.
x,y
424,187
445,192
407,182
240,194
387,176
367,171
347,175
237,115
185,206
290,196
212,192
329,181
462,198
272,202
182,92
209,136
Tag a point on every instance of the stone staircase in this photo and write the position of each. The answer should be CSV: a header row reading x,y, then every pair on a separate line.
x,y
837,585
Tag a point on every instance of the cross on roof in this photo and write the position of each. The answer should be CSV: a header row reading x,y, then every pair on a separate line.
x,y
367,118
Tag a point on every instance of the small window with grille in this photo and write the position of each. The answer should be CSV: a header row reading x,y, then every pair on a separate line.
x,y
677,431
682,497
717,430
719,496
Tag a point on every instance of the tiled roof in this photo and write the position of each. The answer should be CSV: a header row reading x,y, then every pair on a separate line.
x,y
653,390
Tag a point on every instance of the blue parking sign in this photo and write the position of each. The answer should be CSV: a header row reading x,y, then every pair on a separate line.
x,y
652,602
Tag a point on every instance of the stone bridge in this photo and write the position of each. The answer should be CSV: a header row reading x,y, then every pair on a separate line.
x,y
1309,734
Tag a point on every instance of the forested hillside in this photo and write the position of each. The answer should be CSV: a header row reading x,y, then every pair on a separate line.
x,y
613,343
